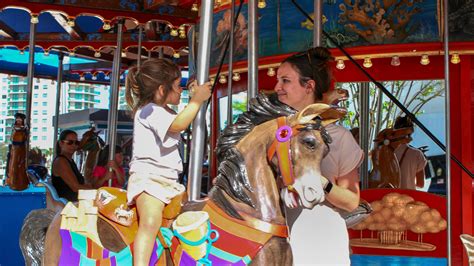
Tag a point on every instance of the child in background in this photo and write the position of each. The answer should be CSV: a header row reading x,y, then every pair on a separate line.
x,y
101,173
156,163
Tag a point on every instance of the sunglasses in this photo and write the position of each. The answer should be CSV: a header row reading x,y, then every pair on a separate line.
x,y
70,142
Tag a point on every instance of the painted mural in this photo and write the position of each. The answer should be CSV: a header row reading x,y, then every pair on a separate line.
x,y
461,20
283,29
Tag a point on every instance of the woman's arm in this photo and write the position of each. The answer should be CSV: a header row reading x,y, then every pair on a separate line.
x,y
420,178
345,194
119,172
62,168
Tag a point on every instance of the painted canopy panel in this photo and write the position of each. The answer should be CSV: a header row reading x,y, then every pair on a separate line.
x,y
284,29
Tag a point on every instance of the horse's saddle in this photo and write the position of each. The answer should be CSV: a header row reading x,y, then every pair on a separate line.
x,y
113,208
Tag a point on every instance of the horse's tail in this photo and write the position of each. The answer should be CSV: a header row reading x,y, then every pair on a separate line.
x,y
33,234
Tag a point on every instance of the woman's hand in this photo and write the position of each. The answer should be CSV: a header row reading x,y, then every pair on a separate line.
x,y
200,93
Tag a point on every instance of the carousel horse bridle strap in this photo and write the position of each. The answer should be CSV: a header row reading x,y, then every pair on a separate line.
x,y
280,230
281,147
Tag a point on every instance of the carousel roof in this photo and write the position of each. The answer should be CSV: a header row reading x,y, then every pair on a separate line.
x,y
85,33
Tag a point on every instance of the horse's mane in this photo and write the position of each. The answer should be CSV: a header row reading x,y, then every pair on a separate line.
x,y
232,176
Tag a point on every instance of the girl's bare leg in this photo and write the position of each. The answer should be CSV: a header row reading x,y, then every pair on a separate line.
x,y
150,211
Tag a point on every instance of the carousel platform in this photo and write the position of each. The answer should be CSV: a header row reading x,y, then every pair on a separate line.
x,y
372,260
15,205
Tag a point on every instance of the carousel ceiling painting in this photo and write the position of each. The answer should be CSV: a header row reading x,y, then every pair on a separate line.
x,y
350,22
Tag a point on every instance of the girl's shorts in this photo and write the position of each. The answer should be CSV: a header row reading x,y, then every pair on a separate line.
x,y
160,187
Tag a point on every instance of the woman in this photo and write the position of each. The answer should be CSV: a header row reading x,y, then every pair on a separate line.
x,y
67,179
319,235
101,174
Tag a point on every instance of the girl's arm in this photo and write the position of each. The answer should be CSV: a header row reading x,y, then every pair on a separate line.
x,y
186,116
345,194
119,172
62,168
100,178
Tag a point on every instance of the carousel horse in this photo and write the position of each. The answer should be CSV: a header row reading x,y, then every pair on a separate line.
x,y
17,178
91,143
385,171
269,147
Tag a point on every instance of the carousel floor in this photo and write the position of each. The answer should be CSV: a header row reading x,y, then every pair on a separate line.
x,y
370,260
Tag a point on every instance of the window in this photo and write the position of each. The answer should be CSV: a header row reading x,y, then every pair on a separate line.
x,y
44,112
35,120
36,87
45,103
44,120
45,95
35,137
35,104
44,138
35,95
44,129
35,112
4,96
45,87
35,129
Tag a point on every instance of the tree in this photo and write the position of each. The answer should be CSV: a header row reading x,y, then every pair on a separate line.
x,y
383,112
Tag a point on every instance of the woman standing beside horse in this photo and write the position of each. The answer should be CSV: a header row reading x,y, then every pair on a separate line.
x,y
319,235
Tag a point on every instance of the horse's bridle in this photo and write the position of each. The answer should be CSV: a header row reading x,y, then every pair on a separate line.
x,y
281,146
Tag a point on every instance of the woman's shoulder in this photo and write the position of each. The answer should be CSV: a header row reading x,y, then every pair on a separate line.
x,y
337,131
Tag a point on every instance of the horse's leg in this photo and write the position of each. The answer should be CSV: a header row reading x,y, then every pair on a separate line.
x,y
277,251
52,243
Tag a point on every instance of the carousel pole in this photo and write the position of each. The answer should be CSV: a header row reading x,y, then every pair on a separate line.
x,y
231,67
58,99
318,23
448,128
252,81
139,54
30,75
364,132
199,123
114,93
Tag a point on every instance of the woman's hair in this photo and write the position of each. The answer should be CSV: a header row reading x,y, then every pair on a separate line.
x,y
63,136
104,154
313,64
142,83
403,122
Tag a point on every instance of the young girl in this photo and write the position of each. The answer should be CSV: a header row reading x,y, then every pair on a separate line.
x,y
156,163
101,174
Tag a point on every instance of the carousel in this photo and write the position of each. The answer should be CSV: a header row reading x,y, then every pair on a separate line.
x,y
390,58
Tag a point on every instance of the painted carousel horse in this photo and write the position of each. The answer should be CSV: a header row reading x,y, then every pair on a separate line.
x,y
91,143
17,178
269,147
385,167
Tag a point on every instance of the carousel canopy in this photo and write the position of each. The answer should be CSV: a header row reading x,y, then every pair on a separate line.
x,y
86,34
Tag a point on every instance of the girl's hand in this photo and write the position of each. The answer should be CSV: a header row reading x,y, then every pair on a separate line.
x,y
200,93
112,164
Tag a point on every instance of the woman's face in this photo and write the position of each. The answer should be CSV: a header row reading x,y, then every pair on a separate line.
x,y
69,144
119,158
289,89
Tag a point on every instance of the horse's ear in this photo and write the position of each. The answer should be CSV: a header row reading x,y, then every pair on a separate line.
x,y
329,114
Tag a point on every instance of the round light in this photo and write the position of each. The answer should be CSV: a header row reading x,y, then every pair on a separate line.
x,y
425,60
46,52
261,4
455,59
395,60
176,55
236,76
97,54
271,72
222,79
340,64
71,22
174,32
82,78
195,7
106,26
367,62
34,19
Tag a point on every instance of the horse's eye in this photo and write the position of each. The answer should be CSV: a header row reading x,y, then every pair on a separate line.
x,y
309,142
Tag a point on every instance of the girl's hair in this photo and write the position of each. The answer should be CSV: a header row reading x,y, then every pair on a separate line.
x,y
63,136
104,154
313,64
142,83
403,122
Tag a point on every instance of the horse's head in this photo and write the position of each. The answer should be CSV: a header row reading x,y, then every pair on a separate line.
x,y
300,144
91,140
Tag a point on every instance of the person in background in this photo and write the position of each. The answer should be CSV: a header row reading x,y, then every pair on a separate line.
x,y
101,173
319,235
156,163
411,160
66,178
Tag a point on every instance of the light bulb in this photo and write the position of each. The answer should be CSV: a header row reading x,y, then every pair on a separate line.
x,y
34,19
94,77
72,53
107,77
176,55
71,22
195,7
97,54
455,59
271,72
82,78
367,62
222,79
123,54
46,52
236,76
340,64
173,32
182,35
261,4
22,52
395,60
106,25
425,60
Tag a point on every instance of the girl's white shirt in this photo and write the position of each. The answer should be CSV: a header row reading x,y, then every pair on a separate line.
x,y
155,150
